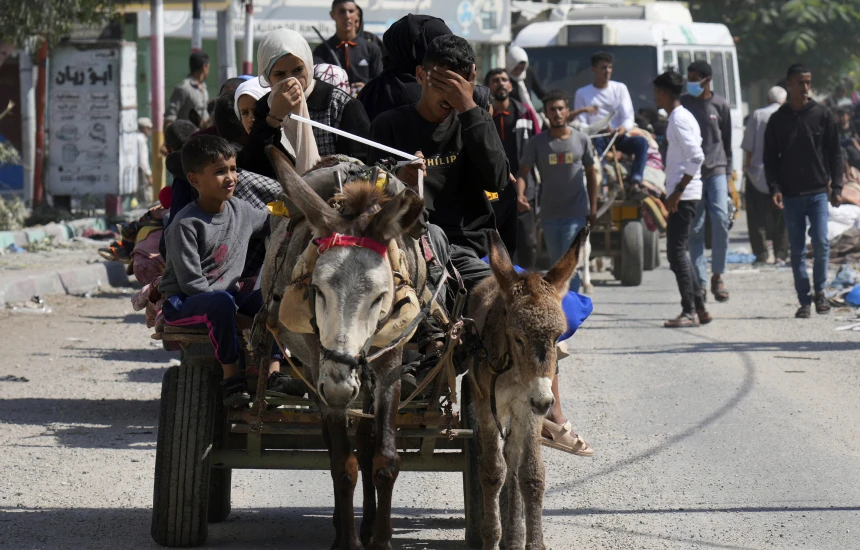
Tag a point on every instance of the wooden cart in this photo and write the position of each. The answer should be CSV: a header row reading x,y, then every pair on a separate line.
x,y
621,235
200,443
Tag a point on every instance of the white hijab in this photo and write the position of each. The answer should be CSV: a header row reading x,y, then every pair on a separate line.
x,y
249,87
517,55
297,138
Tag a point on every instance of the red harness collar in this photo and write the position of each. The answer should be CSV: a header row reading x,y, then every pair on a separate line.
x,y
345,240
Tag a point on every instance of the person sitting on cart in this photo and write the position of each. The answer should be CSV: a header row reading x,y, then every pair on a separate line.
x,y
207,243
464,159
609,96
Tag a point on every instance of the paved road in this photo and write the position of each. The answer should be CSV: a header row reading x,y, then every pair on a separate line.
x,y
742,434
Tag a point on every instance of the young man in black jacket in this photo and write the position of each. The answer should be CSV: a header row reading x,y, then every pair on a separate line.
x,y
801,155
464,159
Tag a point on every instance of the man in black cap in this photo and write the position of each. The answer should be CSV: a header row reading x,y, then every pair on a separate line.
x,y
360,58
191,93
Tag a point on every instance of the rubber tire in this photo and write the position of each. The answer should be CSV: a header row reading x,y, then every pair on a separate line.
x,y
185,432
472,492
652,249
220,478
632,253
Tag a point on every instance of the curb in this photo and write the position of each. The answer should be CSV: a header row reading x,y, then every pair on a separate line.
x,y
72,280
61,232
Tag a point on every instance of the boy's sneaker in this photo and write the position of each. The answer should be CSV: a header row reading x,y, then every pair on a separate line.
x,y
803,312
822,304
284,383
235,390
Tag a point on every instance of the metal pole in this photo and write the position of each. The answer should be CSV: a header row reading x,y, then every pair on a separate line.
x,y
41,100
196,27
226,45
28,120
156,45
248,57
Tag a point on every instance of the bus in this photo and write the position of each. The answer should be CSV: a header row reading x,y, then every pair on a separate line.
x,y
645,40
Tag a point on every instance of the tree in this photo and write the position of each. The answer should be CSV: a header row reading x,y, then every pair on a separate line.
x,y
773,34
51,20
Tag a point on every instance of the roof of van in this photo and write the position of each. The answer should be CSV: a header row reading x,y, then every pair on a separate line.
x,y
630,32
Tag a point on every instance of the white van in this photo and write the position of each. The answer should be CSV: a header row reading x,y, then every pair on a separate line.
x,y
644,44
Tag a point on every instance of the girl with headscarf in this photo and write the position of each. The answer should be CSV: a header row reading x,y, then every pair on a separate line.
x,y
405,43
285,63
523,77
245,102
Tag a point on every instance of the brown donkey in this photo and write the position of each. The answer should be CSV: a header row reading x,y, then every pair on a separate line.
x,y
519,318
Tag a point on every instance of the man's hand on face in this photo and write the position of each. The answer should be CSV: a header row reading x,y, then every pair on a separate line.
x,y
457,90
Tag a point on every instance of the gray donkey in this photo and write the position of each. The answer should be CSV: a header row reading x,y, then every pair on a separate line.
x,y
351,285
519,318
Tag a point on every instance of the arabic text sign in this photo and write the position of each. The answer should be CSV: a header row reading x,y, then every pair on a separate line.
x,y
84,120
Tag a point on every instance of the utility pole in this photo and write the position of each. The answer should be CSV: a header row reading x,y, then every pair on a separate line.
x,y
196,27
41,101
248,58
226,45
28,119
156,54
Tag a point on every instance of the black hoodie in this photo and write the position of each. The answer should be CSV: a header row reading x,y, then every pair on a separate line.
x,y
802,152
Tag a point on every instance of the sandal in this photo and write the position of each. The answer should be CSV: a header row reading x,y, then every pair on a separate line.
x,y
719,289
561,437
684,320
235,390
704,316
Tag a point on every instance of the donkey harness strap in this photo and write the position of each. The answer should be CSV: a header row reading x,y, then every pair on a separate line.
x,y
346,240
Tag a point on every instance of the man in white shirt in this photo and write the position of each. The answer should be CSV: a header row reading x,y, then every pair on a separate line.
x,y
684,159
764,220
607,96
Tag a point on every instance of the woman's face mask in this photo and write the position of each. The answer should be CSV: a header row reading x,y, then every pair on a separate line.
x,y
695,89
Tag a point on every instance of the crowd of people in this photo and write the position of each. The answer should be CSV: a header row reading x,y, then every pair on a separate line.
x,y
491,162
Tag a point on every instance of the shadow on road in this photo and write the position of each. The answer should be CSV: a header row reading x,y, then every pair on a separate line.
x,y
245,528
86,423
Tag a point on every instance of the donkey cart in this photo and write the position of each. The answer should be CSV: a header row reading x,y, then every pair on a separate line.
x,y
621,233
200,442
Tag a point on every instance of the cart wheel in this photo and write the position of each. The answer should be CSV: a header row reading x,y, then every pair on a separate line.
x,y
472,492
652,249
220,478
185,433
616,268
632,253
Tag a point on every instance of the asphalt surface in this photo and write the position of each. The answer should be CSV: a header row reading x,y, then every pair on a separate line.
x,y
741,434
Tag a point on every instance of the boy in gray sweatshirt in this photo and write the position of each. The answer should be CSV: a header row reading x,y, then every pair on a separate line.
x,y
207,242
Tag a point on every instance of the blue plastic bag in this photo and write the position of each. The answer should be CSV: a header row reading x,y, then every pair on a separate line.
x,y
853,296
576,308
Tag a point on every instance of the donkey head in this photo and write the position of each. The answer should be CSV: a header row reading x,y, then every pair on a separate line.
x,y
534,319
353,285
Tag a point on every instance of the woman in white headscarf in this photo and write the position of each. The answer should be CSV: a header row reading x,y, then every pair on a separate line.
x,y
523,77
285,63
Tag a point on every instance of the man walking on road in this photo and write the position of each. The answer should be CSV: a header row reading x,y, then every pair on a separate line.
x,y
713,114
764,220
561,156
191,93
347,48
684,158
801,155
515,124
605,96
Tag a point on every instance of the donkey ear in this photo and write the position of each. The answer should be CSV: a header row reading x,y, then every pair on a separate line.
x,y
320,215
500,263
561,273
396,216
